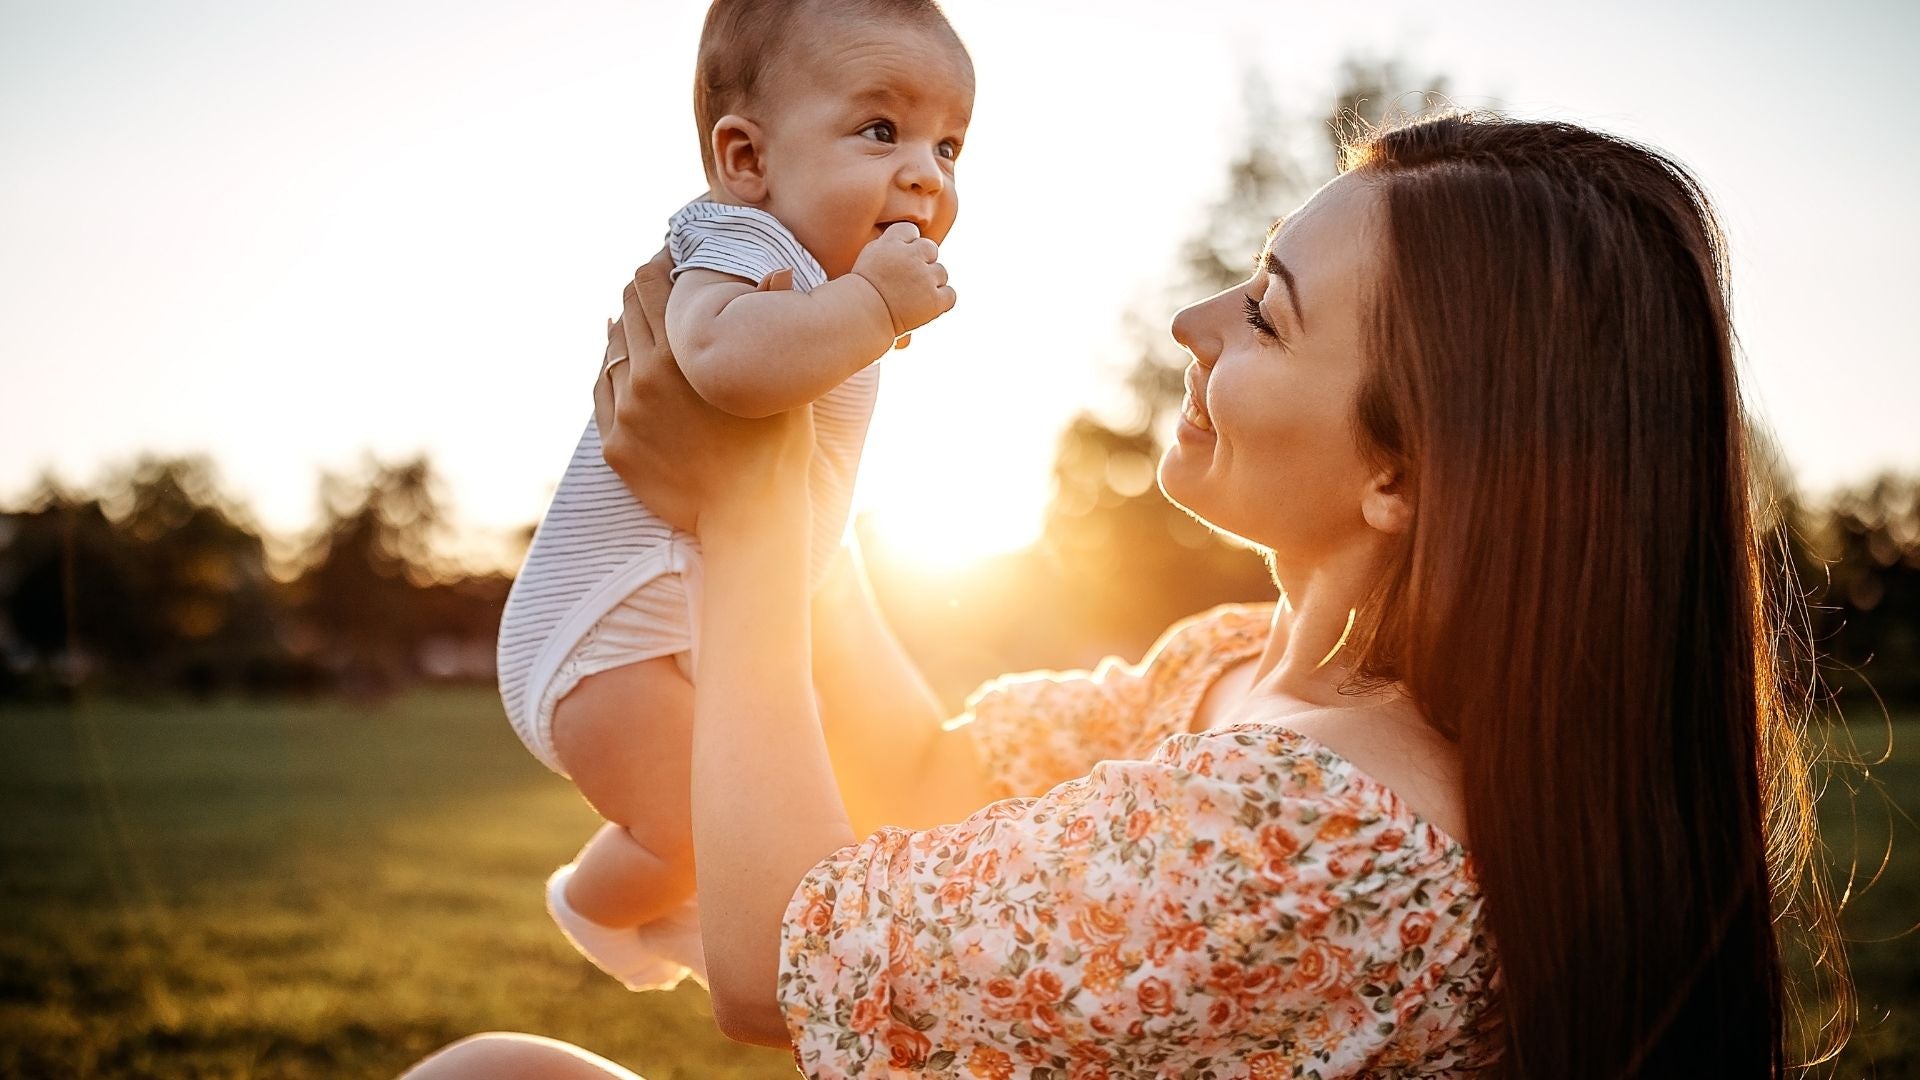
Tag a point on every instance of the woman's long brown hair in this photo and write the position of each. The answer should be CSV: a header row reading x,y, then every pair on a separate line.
x,y
1580,601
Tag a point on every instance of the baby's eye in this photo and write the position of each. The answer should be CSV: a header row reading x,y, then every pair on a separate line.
x,y
879,131
949,149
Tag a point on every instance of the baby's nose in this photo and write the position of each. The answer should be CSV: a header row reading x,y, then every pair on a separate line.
x,y
920,173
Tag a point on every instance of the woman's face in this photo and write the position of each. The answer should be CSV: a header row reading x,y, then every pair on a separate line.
x,y
1266,447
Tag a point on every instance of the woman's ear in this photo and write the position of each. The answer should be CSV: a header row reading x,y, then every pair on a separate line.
x,y
1386,504
739,158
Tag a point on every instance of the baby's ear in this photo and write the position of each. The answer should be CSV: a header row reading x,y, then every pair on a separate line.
x,y
739,158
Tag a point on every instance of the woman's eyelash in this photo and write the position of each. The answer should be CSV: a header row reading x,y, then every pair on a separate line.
x,y
1258,320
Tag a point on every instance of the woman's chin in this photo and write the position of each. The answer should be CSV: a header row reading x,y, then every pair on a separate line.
x,y
1179,476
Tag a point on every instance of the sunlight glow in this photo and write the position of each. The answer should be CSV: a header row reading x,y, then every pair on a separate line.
x,y
938,535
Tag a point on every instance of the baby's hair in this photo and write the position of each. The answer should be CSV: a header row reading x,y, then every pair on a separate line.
x,y
745,40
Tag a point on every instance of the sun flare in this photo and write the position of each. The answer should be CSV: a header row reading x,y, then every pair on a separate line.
x,y
944,536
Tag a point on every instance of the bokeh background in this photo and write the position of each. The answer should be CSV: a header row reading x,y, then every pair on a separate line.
x,y
299,309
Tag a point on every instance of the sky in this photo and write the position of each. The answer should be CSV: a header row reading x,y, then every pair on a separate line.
x,y
286,235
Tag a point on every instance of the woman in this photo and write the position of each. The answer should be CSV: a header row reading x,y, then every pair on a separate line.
x,y
1478,401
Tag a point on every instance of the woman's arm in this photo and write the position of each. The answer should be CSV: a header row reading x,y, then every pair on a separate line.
x,y
897,762
765,808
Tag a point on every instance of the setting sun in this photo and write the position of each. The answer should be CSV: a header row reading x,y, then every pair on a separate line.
x,y
946,514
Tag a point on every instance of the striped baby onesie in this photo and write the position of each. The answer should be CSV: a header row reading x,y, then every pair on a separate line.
x,y
599,548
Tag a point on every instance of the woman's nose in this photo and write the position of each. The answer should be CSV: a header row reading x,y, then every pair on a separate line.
x,y
1192,329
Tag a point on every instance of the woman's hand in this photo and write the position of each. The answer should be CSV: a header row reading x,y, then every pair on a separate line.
x,y
698,468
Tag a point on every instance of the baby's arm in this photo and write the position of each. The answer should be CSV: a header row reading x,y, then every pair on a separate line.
x,y
755,352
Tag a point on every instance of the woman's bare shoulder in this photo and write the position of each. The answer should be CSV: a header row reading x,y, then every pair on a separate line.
x,y
1394,746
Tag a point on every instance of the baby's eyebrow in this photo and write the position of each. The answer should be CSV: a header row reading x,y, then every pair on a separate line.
x,y
884,94
1271,263
888,95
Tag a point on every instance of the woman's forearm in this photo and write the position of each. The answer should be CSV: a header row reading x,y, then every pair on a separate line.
x,y
765,807
895,762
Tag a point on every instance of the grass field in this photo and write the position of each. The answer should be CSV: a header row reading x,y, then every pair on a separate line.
x,y
329,889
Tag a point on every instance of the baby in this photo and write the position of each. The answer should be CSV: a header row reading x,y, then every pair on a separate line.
x,y
829,130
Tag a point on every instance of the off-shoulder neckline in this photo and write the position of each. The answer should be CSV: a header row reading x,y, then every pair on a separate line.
x,y
1217,667
1395,805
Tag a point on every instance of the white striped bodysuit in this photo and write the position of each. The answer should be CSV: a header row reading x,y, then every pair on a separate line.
x,y
606,583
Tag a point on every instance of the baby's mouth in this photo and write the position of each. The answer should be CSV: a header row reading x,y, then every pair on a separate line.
x,y
881,228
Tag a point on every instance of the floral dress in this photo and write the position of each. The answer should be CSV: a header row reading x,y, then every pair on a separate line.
x,y
1151,902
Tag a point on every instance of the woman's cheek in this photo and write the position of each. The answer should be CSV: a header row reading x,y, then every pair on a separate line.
x,y
1270,423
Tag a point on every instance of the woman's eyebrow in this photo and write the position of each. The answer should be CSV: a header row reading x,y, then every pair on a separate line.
x,y
1271,263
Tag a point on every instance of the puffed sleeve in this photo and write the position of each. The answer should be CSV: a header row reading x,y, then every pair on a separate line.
x,y
1035,730
1207,904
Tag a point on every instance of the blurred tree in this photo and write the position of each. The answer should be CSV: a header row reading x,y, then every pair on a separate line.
x,y
1128,560
368,563
1281,162
207,587
1867,618
159,579
70,589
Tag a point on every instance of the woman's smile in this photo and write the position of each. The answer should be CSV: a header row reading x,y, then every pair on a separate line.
x,y
1195,422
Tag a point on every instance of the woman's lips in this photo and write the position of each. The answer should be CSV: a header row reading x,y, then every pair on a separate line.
x,y
1193,409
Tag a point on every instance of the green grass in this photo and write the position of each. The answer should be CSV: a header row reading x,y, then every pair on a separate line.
x,y
1868,821
322,890
332,889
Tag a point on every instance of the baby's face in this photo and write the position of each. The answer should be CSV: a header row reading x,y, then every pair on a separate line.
x,y
862,133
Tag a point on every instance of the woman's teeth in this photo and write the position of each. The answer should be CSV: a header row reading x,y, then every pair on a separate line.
x,y
1195,415
1191,408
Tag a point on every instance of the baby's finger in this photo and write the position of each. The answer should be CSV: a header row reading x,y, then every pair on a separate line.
x,y
779,280
947,297
939,275
927,249
905,232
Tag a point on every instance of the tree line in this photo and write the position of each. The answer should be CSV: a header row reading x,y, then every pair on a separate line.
x,y
156,580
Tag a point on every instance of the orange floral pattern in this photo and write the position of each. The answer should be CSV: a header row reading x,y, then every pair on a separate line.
x,y
1149,901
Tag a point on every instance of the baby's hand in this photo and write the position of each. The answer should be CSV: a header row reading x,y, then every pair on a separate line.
x,y
904,268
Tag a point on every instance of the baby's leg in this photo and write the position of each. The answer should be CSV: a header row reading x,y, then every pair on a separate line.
x,y
626,739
